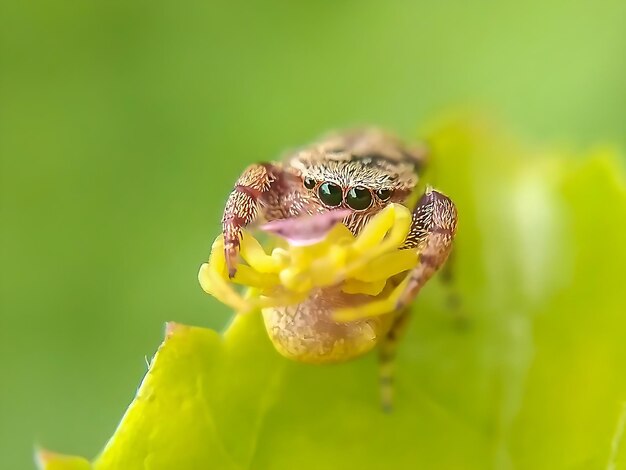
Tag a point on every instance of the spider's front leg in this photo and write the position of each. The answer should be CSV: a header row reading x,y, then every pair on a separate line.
x,y
432,231
257,189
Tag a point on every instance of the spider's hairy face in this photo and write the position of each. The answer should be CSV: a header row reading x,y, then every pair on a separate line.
x,y
361,172
360,184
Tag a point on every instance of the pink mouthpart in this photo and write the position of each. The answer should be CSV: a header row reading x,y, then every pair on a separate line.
x,y
308,229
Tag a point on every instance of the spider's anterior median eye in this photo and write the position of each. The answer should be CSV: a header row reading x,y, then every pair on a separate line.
x,y
359,198
383,194
309,183
330,194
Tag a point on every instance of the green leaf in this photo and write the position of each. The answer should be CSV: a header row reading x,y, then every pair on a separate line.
x,y
535,379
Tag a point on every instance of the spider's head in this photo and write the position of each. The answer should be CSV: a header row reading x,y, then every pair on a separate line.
x,y
360,184
362,171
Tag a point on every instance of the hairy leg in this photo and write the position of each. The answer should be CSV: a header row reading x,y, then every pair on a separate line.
x,y
386,358
432,231
251,194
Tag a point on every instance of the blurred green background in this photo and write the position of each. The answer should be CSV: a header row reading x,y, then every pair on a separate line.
x,y
123,126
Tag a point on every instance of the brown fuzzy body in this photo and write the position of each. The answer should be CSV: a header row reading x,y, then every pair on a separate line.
x,y
363,171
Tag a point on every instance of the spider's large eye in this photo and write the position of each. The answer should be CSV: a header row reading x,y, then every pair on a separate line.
x,y
359,198
330,194
309,183
383,194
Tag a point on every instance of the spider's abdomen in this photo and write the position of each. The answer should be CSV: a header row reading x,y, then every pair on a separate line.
x,y
306,332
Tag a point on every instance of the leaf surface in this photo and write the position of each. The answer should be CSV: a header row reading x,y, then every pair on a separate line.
x,y
532,375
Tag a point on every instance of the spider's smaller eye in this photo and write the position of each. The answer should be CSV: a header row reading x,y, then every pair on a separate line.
x,y
309,183
330,194
359,198
383,194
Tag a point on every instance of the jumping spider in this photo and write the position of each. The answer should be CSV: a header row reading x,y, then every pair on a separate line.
x,y
355,257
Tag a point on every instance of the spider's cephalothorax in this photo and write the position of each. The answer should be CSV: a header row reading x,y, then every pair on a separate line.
x,y
358,174
361,171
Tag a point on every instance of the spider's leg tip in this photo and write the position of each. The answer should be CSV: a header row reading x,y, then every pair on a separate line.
x,y
231,266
